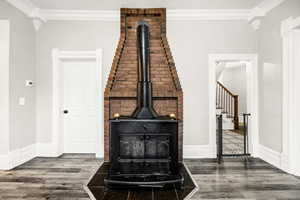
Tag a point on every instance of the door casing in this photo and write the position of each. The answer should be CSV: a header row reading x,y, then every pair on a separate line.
x,y
252,97
58,57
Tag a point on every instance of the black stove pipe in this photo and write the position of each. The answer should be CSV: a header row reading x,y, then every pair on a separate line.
x,y
144,108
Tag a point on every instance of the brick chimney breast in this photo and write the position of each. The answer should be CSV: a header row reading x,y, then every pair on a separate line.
x,y
121,89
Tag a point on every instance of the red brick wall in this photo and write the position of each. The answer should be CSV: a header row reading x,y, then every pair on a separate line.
x,y
120,92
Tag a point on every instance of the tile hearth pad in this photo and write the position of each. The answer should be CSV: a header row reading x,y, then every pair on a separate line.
x,y
97,190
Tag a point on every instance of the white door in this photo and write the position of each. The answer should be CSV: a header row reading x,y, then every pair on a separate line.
x,y
81,102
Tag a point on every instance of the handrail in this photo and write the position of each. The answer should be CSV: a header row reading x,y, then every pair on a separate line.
x,y
228,102
225,88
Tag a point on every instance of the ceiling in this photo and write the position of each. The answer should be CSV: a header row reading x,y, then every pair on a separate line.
x,y
171,4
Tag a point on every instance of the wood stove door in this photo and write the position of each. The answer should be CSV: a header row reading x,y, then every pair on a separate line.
x,y
132,146
144,146
157,147
138,140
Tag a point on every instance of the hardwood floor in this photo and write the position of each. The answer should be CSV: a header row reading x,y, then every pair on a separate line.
x,y
49,178
63,178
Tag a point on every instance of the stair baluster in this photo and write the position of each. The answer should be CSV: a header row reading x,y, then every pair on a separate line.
x,y
228,102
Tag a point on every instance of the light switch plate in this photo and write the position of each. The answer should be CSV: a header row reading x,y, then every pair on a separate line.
x,y
22,101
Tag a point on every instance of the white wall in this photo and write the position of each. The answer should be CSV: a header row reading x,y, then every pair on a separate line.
x,y
4,86
271,105
190,47
270,79
235,79
22,67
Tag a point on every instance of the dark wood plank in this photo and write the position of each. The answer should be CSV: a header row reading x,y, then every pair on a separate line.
x,y
166,194
141,195
64,177
116,194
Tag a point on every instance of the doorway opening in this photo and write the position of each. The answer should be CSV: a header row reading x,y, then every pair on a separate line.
x,y
233,104
77,102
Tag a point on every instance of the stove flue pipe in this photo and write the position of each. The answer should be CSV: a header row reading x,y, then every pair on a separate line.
x,y
144,108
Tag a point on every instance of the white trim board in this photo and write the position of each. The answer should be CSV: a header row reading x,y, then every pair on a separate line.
x,y
34,12
56,147
4,162
172,15
275,158
290,31
30,10
41,16
26,6
252,90
198,151
17,157
270,156
263,8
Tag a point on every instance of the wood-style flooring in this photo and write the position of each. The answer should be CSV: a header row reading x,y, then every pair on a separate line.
x,y
64,177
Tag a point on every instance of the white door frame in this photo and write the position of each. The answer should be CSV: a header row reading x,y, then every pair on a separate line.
x,y
58,57
252,89
289,155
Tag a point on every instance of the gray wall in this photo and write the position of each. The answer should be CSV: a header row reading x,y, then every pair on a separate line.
x,y
190,42
4,86
270,78
22,67
73,36
235,79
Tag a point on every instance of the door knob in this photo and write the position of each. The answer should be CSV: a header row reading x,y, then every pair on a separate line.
x,y
66,111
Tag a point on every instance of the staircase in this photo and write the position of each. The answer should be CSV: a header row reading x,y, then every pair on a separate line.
x,y
227,105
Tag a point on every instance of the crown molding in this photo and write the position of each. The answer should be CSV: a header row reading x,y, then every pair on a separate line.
x,y
81,15
172,15
208,14
288,25
40,16
30,10
256,23
296,23
263,8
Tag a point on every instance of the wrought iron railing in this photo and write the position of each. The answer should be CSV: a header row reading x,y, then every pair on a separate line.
x,y
220,138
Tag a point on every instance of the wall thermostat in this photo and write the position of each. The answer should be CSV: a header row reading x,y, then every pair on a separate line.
x,y
28,83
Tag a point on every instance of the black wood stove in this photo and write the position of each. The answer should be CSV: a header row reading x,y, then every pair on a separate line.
x,y
144,146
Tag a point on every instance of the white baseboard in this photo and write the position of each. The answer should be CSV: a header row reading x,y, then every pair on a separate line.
x,y
198,151
46,150
20,156
4,162
17,157
270,156
285,165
